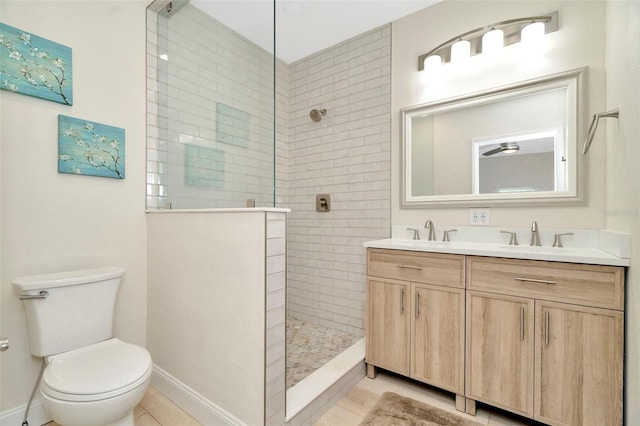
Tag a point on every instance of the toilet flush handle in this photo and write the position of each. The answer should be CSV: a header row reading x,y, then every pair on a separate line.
x,y
4,344
42,295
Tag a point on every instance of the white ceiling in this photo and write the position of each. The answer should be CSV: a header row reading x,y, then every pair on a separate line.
x,y
304,27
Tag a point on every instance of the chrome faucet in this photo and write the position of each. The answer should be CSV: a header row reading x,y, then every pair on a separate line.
x,y
513,241
535,235
445,236
557,240
432,233
416,233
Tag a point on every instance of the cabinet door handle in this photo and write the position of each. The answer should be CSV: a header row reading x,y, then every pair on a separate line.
x,y
417,304
521,323
546,328
402,301
419,268
534,280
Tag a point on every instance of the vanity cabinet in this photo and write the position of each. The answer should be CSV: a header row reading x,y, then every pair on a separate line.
x,y
389,325
500,349
415,324
579,358
545,339
538,338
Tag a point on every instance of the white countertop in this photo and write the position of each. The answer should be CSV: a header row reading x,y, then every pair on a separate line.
x,y
588,255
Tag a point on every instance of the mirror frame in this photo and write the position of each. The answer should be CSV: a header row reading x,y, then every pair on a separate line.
x,y
573,81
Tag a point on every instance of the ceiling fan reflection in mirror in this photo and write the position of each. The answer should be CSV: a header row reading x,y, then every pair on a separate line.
x,y
506,147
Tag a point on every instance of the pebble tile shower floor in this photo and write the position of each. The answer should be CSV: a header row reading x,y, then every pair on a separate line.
x,y
310,346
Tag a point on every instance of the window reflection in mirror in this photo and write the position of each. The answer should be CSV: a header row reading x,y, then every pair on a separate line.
x,y
444,143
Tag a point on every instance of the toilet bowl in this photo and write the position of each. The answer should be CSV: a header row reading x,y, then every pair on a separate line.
x,y
91,378
97,384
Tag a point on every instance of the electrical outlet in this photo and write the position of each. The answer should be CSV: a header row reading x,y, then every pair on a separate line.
x,y
479,216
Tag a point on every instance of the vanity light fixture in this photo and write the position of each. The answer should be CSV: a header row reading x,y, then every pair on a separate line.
x,y
490,38
493,41
533,33
460,50
432,64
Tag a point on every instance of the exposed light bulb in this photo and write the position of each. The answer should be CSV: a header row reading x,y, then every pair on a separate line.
x,y
532,34
460,50
492,42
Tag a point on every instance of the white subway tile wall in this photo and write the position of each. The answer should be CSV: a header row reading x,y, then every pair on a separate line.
x,y
346,154
275,318
213,91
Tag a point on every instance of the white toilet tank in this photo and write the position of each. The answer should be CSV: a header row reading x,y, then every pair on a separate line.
x,y
76,311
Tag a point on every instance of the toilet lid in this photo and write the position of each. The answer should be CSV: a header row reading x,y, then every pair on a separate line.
x,y
97,369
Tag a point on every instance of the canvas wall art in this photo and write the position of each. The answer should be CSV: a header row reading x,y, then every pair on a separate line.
x,y
88,148
34,66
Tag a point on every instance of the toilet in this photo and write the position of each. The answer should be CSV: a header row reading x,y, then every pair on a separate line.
x,y
91,378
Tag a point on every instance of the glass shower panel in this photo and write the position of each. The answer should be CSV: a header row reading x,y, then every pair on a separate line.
x,y
211,136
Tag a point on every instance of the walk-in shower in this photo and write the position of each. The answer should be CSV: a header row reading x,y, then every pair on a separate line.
x,y
229,122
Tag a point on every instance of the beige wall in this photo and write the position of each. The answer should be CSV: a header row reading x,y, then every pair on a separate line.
x,y
578,43
623,174
55,222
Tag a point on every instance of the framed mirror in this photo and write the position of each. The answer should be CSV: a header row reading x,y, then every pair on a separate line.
x,y
515,145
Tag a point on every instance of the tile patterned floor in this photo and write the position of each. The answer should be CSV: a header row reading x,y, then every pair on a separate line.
x,y
310,346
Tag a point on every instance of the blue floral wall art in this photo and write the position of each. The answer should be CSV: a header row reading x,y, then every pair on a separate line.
x,y
35,66
88,148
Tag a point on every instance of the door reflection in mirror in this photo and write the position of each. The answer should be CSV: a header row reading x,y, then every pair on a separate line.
x,y
526,162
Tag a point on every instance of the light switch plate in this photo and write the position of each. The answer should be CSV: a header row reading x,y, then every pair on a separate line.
x,y
479,216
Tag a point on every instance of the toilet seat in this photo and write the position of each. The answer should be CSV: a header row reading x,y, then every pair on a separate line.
x,y
95,372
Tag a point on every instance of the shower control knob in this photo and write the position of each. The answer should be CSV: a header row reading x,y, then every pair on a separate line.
x,y
4,344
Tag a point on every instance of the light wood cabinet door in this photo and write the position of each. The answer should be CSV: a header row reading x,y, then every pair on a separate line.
x,y
500,351
389,327
579,365
438,336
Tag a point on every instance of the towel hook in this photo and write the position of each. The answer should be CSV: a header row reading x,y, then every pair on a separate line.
x,y
614,113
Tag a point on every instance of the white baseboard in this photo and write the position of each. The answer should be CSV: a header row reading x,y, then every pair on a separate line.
x,y
37,415
197,406
182,395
